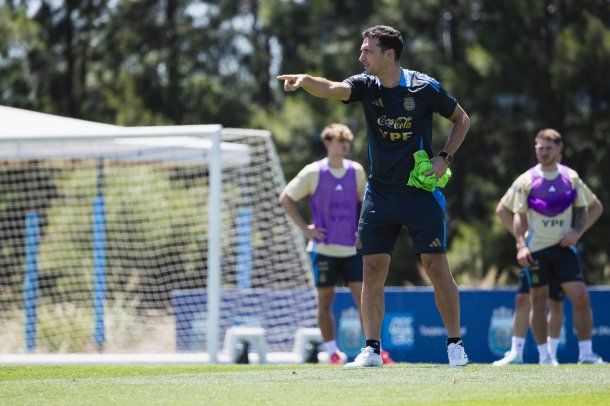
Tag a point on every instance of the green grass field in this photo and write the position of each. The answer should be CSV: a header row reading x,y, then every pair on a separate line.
x,y
305,385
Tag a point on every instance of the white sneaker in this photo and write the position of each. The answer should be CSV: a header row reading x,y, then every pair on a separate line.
x,y
548,360
366,359
510,358
456,354
592,359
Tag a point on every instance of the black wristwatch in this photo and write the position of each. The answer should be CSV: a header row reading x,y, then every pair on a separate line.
x,y
446,156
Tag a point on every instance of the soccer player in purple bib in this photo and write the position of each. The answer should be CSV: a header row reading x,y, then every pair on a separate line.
x,y
522,299
553,208
335,187
398,107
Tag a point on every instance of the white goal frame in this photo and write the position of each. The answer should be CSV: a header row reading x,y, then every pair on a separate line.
x,y
52,130
33,135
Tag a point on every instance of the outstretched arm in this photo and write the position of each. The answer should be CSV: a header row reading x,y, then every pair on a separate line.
x,y
316,86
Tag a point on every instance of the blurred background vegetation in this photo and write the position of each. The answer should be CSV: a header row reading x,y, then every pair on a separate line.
x,y
515,66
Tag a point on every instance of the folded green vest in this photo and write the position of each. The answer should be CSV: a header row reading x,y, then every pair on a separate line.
x,y
422,165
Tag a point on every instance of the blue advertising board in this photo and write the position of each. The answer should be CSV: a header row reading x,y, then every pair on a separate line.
x,y
412,330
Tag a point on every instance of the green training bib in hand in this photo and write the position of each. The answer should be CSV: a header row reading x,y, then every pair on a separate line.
x,y
422,165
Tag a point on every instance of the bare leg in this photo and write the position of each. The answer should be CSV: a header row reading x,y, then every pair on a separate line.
x,y
583,317
520,326
521,317
555,320
538,297
356,290
375,272
446,294
326,321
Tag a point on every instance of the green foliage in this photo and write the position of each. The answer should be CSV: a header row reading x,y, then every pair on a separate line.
x,y
466,252
294,132
515,66
127,102
141,203
64,327
478,251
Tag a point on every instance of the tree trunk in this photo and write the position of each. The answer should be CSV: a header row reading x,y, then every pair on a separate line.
x,y
173,88
261,58
73,106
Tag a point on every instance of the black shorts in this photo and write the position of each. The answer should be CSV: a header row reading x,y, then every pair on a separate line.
x,y
328,271
383,214
555,262
555,291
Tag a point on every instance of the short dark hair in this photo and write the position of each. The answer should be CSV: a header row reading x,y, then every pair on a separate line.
x,y
389,38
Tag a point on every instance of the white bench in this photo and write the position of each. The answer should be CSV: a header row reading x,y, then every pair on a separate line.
x,y
304,337
253,335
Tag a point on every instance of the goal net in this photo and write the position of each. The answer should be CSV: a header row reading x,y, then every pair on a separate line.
x,y
104,245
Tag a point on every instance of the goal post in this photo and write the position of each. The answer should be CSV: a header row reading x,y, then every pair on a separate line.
x,y
214,232
127,222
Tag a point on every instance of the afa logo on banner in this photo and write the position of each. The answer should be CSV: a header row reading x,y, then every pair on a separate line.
x,y
350,336
500,330
397,331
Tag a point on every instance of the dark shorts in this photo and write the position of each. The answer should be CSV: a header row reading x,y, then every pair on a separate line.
x,y
383,214
555,291
328,271
556,262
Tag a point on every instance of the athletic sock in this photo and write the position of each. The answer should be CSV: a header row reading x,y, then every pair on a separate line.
x,y
454,340
330,347
543,350
553,344
585,349
517,345
376,345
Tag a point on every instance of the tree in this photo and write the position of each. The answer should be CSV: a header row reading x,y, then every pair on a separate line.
x,y
515,67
